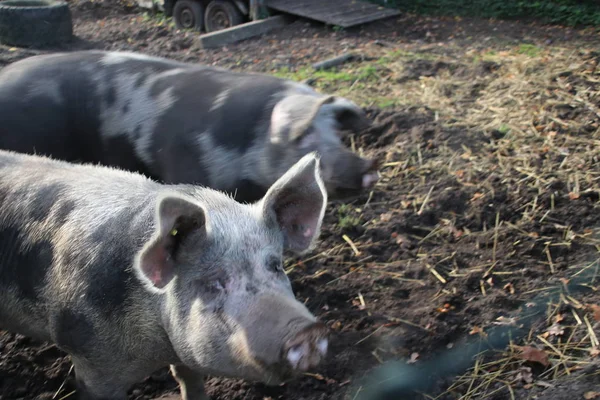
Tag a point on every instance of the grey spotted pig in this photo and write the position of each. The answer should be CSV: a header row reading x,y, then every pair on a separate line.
x,y
178,122
128,275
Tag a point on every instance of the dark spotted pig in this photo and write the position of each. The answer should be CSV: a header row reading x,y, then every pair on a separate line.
x,y
177,122
129,275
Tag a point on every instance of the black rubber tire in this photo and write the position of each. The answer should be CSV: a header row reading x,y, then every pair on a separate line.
x,y
221,14
32,23
189,14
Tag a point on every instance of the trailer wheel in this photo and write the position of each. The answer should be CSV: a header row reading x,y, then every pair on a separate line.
x,y
31,23
221,14
188,14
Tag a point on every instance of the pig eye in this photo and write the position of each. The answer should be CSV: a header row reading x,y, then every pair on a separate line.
x,y
275,265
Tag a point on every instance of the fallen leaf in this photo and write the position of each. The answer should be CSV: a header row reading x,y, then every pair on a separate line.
x,y
596,310
524,375
532,354
556,330
573,196
505,321
477,196
591,395
476,330
385,217
413,358
559,318
509,286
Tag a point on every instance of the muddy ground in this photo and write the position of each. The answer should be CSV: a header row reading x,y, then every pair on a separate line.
x,y
489,136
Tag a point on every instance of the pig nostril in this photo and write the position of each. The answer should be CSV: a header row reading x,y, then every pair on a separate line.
x,y
322,346
369,179
295,354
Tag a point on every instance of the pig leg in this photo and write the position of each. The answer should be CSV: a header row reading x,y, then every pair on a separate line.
x,y
98,384
191,383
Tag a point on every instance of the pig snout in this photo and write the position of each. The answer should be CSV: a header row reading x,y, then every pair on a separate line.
x,y
351,172
307,348
370,175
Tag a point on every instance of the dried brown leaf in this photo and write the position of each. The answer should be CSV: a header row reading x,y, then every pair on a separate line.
x,y
385,217
475,330
591,395
559,318
533,354
509,286
556,330
596,310
477,196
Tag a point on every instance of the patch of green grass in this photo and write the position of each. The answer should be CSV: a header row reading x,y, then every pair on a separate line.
x,y
383,102
329,77
396,55
529,50
346,219
504,129
489,55
159,19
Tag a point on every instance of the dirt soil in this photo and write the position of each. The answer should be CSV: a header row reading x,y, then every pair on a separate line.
x,y
489,196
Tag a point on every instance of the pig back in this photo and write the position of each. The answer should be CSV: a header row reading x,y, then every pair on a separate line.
x,y
68,235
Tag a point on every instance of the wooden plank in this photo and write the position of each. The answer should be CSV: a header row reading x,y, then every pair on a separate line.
x,y
241,32
343,13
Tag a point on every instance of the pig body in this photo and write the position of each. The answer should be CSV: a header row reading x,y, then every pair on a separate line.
x,y
128,275
177,122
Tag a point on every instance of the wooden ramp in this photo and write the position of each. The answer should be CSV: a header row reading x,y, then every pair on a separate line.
x,y
344,13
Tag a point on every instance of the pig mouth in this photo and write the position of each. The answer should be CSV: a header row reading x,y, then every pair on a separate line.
x,y
354,182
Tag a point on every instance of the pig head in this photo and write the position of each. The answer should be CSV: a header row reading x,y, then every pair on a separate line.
x,y
303,123
128,275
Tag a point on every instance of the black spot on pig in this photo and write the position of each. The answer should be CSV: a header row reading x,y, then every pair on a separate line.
x,y
137,132
45,198
23,266
115,255
121,153
126,107
64,210
111,96
140,80
108,297
252,289
72,330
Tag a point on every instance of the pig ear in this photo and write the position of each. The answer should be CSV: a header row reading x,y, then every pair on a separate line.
x,y
176,218
297,203
302,132
348,115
